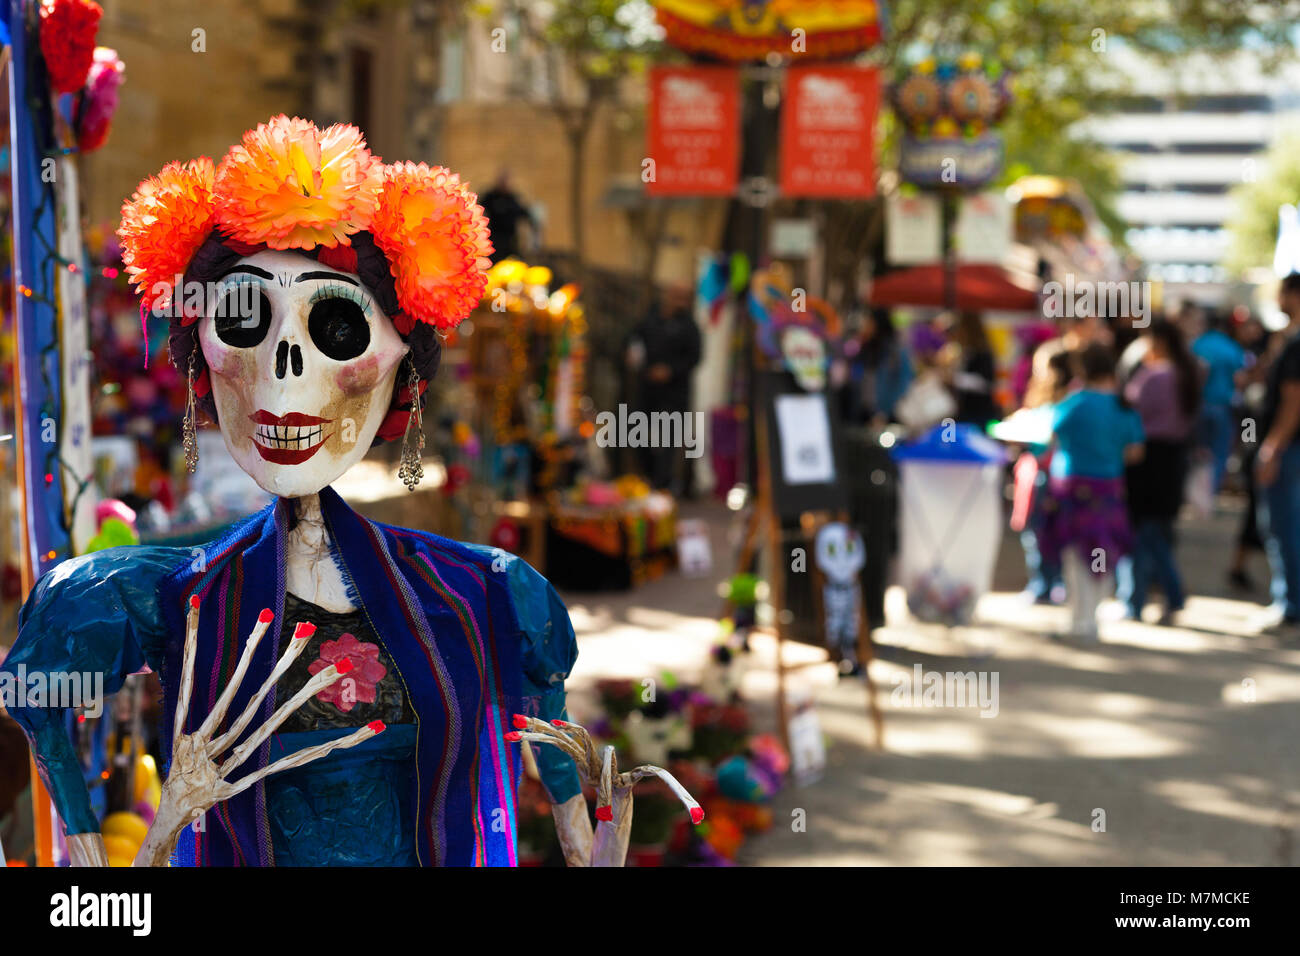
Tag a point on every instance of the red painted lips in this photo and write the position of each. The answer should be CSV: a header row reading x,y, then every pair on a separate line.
x,y
288,439
263,417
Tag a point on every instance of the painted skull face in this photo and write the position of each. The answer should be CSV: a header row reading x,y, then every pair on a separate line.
x,y
302,363
840,554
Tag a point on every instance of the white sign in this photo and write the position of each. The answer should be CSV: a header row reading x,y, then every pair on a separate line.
x,y
983,230
74,364
913,230
807,746
805,433
793,238
694,550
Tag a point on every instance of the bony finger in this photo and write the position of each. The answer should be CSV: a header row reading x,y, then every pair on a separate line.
x,y
528,736
314,686
308,754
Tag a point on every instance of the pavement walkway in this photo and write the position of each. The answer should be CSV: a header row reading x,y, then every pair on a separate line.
x,y
1159,746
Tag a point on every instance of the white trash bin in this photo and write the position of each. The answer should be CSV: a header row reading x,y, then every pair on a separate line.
x,y
950,520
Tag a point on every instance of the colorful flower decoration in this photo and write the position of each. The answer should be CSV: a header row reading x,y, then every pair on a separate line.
x,y
67,39
741,30
99,102
289,185
163,224
951,99
435,236
359,685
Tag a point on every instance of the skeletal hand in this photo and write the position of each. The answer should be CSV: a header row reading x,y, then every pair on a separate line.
x,y
197,779
613,793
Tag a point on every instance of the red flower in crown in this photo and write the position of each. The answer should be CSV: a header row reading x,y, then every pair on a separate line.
x,y
359,684
67,40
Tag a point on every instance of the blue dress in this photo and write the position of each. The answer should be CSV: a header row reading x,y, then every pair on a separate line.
x,y
475,635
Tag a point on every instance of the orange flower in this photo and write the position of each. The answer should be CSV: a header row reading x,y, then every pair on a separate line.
x,y
434,233
163,224
289,185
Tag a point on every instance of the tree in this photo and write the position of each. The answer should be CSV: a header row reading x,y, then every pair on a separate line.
x,y
1254,228
1063,57
588,47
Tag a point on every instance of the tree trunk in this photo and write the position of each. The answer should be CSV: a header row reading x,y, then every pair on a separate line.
x,y
577,135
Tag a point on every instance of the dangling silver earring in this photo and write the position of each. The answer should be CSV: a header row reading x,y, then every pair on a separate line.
x,y
191,440
412,470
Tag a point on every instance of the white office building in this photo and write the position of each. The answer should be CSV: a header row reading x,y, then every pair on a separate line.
x,y
1185,137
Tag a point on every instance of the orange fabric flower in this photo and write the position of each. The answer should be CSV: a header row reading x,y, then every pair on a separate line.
x,y
67,40
163,224
434,233
290,185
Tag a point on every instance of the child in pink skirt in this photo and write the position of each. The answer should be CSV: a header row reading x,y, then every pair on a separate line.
x,y
1085,524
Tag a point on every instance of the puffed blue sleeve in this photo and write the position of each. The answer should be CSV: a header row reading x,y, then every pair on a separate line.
x,y
549,650
89,623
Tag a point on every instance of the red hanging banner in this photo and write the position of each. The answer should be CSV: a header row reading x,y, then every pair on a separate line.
x,y
828,127
693,132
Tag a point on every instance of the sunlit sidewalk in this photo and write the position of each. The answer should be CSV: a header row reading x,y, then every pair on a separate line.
x,y
1160,745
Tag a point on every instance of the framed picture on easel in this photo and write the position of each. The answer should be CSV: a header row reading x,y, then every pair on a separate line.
x,y
803,450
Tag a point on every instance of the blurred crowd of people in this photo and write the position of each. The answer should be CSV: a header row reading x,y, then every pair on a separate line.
x,y
1122,426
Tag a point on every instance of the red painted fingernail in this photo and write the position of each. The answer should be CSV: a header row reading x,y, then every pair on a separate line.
x,y
303,631
377,726
344,665
559,723
521,721
194,601
697,814
605,813
265,616
514,736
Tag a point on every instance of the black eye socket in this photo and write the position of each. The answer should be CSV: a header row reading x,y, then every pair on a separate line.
x,y
243,317
339,328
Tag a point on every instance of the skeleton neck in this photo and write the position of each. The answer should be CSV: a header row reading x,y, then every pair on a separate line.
x,y
312,573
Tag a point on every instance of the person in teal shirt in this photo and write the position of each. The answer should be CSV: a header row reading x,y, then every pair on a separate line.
x,y
1086,528
1223,358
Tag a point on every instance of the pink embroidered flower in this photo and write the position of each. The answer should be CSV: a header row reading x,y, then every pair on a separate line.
x,y
359,685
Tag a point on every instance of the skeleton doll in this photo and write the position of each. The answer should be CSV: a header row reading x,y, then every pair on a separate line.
x,y
840,557
335,691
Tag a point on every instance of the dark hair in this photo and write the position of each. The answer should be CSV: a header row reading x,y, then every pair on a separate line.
x,y
1174,344
215,257
1095,362
1060,366
884,335
1216,320
1291,282
969,332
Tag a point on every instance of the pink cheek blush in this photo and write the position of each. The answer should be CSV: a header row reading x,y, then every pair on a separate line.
x,y
359,376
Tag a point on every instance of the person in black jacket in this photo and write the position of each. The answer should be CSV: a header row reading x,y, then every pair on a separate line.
x,y
662,352
972,370
504,211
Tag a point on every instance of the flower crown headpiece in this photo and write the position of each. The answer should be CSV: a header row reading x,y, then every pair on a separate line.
x,y
290,185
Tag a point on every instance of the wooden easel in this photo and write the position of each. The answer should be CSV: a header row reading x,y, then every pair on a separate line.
x,y
765,524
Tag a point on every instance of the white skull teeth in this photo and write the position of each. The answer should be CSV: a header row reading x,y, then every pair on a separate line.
x,y
288,437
